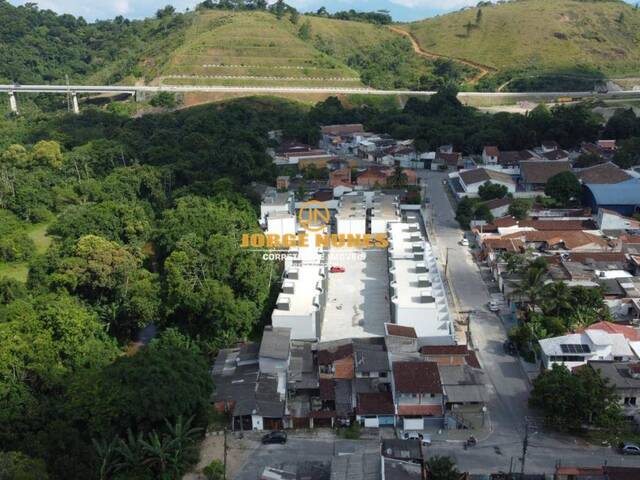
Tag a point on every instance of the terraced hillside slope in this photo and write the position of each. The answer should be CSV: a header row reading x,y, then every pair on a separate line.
x,y
540,37
241,48
250,48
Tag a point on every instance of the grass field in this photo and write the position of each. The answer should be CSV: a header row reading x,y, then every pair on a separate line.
x,y
555,36
19,270
255,47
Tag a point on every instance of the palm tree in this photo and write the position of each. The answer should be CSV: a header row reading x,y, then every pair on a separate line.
x,y
160,452
442,468
131,449
556,298
398,178
108,457
184,437
532,285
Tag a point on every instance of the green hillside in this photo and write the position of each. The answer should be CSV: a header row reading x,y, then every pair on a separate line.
x,y
257,48
566,37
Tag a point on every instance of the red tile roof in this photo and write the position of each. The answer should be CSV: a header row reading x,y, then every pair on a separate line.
x,y
417,377
492,151
428,410
400,331
375,404
444,350
629,333
327,356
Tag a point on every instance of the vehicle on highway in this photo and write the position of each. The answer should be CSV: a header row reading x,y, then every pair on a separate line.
x,y
493,306
464,242
275,437
509,347
424,438
629,448
337,269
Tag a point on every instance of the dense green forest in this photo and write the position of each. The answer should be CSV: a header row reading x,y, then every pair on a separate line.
x,y
40,46
105,345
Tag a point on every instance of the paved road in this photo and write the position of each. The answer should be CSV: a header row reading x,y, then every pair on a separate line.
x,y
131,89
509,385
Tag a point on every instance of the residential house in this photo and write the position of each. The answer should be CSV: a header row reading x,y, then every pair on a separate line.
x,y
254,400
577,349
499,206
275,351
372,178
563,240
340,177
400,339
405,450
450,355
490,155
472,180
556,155
417,393
535,173
607,145
625,378
510,160
282,182
445,160
375,409
351,465
596,473
549,146
602,174
610,220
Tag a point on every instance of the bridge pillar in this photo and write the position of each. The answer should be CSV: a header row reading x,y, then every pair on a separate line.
x,y
13,103
74,102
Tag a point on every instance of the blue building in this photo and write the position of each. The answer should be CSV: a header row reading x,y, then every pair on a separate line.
x,y
623,197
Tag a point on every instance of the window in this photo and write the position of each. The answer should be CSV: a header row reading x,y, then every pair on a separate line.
x,y
629,400
383,374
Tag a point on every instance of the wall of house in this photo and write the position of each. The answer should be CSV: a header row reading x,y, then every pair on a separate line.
x,y
475,187
281,226
257,422
303,326
419,399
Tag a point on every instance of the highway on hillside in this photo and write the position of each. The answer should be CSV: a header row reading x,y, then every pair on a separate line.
x,y
132,89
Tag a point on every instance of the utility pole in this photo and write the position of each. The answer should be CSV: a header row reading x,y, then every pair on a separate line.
x,y
446,262
525,444
224,473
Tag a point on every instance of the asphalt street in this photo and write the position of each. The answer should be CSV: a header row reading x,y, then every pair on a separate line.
x,y
509,385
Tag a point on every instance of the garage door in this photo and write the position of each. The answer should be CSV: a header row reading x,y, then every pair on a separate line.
x,y
371,422
413,424
386,421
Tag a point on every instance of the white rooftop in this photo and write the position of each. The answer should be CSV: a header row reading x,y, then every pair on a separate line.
x,y
418,292
302,283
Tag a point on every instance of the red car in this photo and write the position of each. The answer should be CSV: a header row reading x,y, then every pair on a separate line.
x,y
336,269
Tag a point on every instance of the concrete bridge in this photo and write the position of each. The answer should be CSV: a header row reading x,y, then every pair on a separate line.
x,y
74,90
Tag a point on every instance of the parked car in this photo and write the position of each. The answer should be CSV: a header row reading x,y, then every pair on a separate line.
x,y
493,306
425,439
629,448
510,348
275,437
464,242
337,269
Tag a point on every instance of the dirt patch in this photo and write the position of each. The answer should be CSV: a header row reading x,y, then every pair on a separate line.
x,y
212,448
